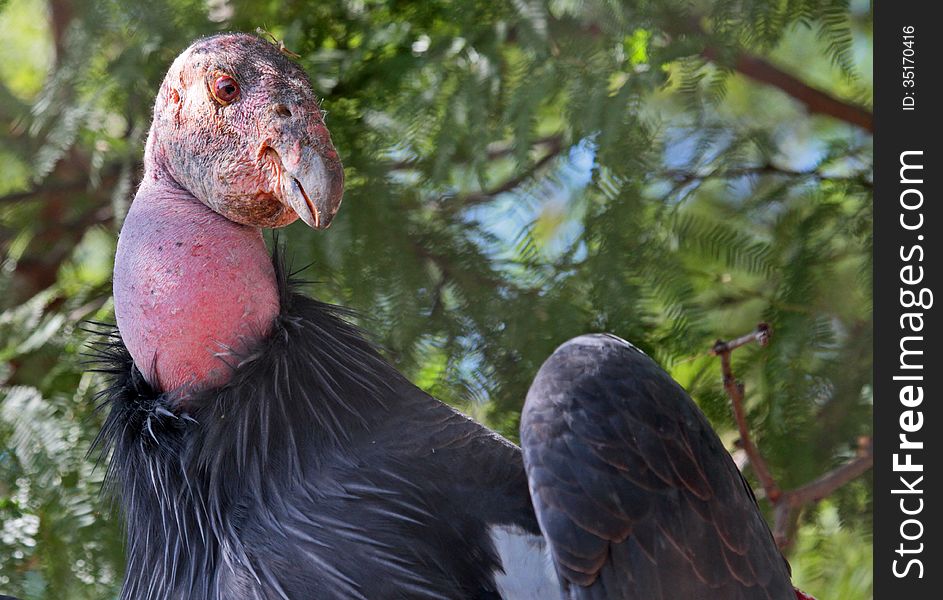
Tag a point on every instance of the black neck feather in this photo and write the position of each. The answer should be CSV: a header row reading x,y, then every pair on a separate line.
x,y
310,385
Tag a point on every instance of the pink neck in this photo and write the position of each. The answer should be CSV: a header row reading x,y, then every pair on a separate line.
x,y
190,286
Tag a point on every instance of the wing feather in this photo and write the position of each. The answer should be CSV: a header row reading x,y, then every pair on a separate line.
x,y
633,490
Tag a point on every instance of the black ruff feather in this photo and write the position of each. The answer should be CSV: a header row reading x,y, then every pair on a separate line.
x,y
318,471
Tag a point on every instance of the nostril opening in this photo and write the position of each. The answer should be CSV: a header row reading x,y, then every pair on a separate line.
x,y
282,110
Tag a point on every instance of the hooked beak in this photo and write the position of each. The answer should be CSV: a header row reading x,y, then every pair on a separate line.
x,y
312,184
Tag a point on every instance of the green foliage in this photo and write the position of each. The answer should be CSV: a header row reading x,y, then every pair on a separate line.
x,y
833,558
518,173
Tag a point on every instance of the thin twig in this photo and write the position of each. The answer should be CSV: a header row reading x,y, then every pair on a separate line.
x,y
475,198
682,177
734,390
829,482
786,504
791,502
760,335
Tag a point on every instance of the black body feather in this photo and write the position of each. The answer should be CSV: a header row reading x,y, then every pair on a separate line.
x,y
318,471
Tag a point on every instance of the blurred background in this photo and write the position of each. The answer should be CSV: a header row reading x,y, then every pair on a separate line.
x,y
518,172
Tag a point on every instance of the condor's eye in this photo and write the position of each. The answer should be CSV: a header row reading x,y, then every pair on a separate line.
x,y
225,90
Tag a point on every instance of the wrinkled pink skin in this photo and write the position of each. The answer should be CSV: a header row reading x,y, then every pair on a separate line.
x,y
193,284
190,287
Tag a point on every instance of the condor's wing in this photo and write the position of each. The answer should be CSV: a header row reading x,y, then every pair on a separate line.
x,y
633,490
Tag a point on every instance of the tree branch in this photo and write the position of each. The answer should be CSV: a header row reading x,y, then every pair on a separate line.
x,y
54,236
763,71
786,504
463,201
683,177
791,502
815,100
829,482
61,14
45,191
734,390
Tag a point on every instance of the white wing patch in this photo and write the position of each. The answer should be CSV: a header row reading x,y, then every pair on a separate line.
x,y
528,571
